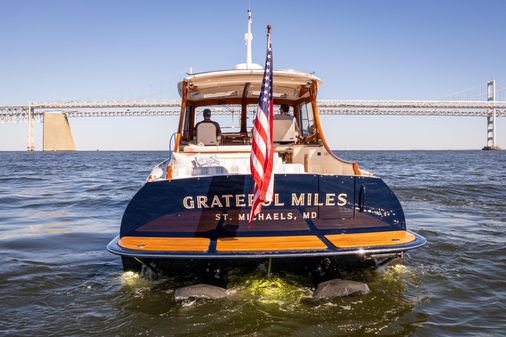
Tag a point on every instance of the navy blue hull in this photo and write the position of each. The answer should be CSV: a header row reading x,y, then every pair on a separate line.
x,y
219,207
305,204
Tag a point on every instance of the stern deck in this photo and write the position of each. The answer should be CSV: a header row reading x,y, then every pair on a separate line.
x,y
266,246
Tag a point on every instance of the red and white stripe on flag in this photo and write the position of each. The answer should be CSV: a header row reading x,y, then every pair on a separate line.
x,y
262,147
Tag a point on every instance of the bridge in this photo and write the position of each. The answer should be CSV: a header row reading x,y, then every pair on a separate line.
x,y
54,115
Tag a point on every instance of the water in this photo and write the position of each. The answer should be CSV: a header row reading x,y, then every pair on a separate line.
x,y
59,210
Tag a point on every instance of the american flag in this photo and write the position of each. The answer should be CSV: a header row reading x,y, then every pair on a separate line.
x,y
262,147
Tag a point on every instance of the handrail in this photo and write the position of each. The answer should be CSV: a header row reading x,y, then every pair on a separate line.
x,y
159,172
173,136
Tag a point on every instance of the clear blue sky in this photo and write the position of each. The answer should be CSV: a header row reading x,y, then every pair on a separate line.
x,y
56,50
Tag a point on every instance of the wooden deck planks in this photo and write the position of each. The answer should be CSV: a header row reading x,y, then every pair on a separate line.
x,y
370,239
165,244
270,243
266,243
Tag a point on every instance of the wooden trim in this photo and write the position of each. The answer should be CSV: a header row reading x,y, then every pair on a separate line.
x,y
181,116
169,172
270,243
238,101
356,170
364,240
314,88
140,243
303,100
192,123
296,114
244,108
313,94
303,90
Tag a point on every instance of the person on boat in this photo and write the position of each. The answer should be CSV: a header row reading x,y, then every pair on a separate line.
x,y
207,131
286,129
284,112
285,115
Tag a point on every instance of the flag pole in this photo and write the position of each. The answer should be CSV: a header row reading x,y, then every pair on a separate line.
x,y
262,147
269,266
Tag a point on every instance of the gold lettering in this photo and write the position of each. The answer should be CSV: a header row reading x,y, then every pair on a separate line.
x,y
309,215
330,199
309,199
216,202
239,200
276,200
250,200
227,198
267,203
202,201
342,199
316,200
297,201
188,203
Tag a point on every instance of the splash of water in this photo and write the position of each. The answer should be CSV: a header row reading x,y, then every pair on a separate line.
x,y
286,289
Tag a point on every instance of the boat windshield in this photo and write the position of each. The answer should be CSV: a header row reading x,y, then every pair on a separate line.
x,y
228,117
230,98
225,125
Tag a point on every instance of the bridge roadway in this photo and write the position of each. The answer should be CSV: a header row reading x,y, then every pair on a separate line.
x,y
129,108
35,111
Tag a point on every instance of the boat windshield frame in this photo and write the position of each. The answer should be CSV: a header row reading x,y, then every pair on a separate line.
x,y
303,87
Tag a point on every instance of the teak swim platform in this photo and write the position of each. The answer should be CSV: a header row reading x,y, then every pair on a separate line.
x,y
196,204
268,246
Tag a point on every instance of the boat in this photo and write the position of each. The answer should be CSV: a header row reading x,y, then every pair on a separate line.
x,y
195,206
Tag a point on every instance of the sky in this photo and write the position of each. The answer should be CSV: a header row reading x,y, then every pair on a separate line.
x,y
95,50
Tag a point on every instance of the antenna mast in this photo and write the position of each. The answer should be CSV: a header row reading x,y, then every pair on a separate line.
x,y
248,37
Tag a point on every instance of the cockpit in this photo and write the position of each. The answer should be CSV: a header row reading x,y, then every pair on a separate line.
x,y
223,125
231,98
217,112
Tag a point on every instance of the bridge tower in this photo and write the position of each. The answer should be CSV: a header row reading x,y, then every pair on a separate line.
x,y
30,142
57,135
491,118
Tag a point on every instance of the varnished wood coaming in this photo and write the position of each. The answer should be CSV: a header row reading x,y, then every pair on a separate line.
x,y
181,117
314,91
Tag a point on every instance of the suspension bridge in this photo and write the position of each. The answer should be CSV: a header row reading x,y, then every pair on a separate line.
x,y
56,113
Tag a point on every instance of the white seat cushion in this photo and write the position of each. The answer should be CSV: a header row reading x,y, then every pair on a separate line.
x,y
207,134
284,130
